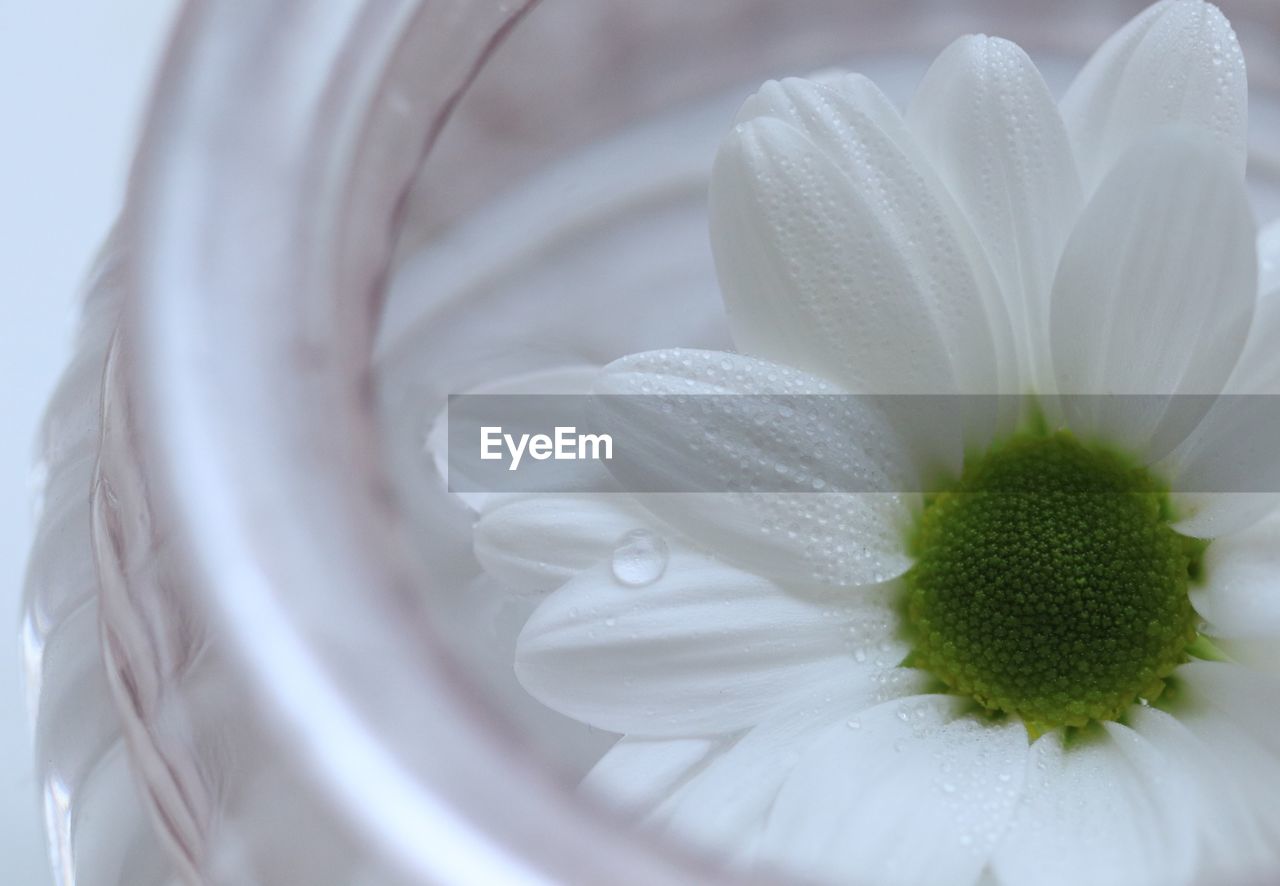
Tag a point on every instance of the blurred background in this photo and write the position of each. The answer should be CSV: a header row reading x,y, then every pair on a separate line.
x,y
73,81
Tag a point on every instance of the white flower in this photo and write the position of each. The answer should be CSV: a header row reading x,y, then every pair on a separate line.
x,y
991,241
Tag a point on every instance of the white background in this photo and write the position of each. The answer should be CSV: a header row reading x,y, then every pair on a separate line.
x,y
73,82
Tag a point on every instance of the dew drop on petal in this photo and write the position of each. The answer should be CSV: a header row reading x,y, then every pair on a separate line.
x,y
639,558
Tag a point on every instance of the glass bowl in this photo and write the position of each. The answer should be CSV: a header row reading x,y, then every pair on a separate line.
x,y
261,651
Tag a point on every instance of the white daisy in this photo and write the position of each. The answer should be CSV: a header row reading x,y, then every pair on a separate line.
x,y
894,689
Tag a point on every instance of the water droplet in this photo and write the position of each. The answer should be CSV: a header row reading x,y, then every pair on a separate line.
x,y
639,558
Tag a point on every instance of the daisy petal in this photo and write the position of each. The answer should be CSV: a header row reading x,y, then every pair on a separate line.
x,y
1176,63
988,123
1240,597
1269,259
835,254
704,650
1108,810
724,806
1233,835
557,380
1213,693
1258,371
538,542
680,438
1154,294
637,773
1219,514
1227,473
911,791
1231,710
822,105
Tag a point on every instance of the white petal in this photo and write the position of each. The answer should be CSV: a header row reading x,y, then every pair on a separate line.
x,y
1108,809
987,121
1240,596
911,791
537,542
844,95
1219,514
704,650
1176,63
1211,694
1154,294
1258,371
557,380
1226,474
702,445
1233,838
479,624
1269,259
1231,710
723,808
836,255
638,773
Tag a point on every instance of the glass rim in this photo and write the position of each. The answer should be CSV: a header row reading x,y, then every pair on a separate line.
x,y
241,209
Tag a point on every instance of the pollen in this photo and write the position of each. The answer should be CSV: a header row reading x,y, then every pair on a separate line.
x,y
1048,583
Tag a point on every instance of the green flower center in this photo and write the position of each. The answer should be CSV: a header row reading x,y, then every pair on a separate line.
x,y
1049,584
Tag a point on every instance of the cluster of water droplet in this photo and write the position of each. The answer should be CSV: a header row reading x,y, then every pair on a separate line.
x,y
829,176
768,451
